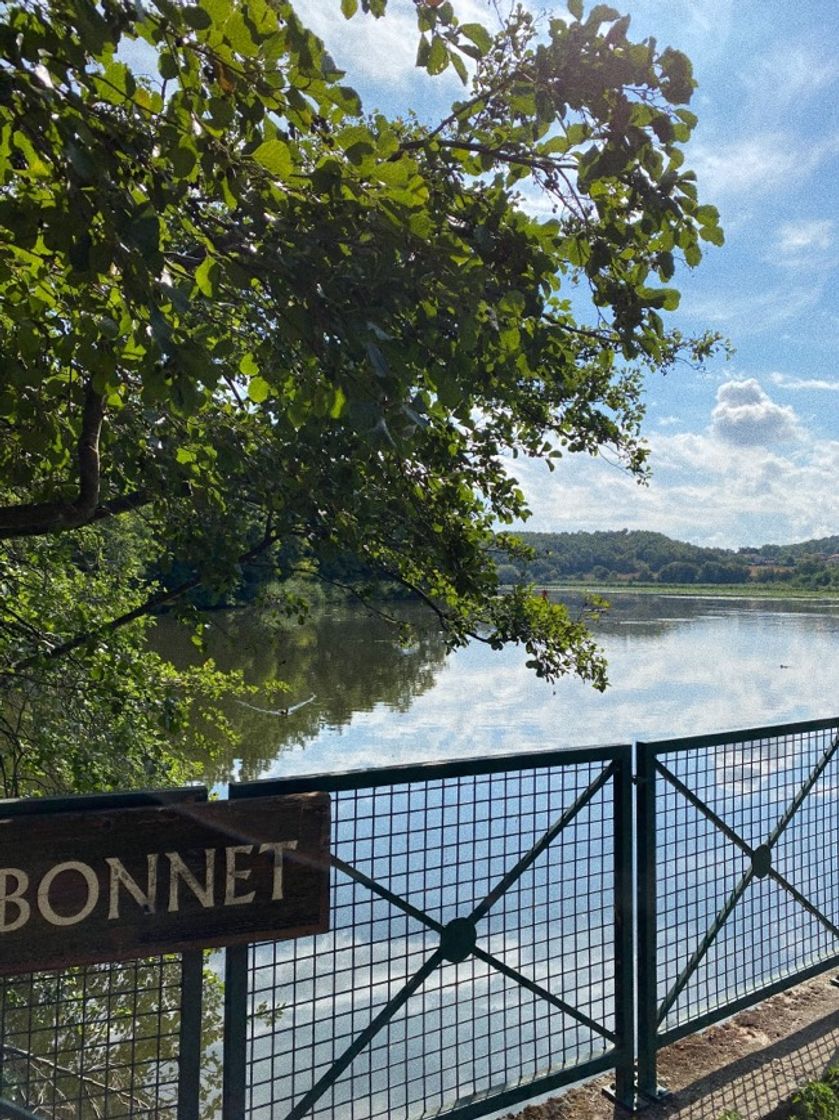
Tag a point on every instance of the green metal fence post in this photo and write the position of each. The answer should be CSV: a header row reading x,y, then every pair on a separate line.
x,y
645,847
189,1046
235,1032
624,932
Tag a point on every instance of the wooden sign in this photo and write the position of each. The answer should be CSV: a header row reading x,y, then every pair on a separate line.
x,y
112,884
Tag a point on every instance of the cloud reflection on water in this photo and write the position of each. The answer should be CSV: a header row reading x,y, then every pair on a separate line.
x,y
676,667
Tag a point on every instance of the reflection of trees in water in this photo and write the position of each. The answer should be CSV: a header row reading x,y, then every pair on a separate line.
x,y
103,1040
348,659
352,661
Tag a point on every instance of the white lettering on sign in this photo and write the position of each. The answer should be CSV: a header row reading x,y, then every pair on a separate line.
x,y
278,848
44,904
178,870
15,897
119,875
16,905
231,875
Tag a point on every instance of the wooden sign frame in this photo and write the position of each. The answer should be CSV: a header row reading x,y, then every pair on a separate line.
x,y
115,883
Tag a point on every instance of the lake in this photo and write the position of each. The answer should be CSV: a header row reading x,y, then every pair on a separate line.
x,y
677,666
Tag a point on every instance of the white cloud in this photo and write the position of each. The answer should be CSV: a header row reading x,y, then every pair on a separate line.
x,y
701,491
759,163
815,233
708,487
383,51
790,76
750,309
806,244
745,416
813,384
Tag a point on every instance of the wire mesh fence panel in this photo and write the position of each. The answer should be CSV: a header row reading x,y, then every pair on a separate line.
x,y
92,1042
746,871
472,949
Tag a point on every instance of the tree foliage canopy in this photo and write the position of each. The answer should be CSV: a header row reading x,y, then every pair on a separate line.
x,y
235,305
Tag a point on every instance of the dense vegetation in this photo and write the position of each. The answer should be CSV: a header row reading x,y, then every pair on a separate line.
x,y
639,556
244,321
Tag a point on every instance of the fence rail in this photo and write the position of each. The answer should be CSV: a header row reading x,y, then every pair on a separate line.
x,y
738,865
483,946
481,942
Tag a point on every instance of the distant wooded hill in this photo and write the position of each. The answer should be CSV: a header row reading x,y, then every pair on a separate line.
x,y
638,556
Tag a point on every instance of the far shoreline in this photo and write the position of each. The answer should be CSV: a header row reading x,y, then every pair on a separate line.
x,y
696,590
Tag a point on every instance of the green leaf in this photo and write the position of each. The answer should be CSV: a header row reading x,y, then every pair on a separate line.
x,y
167,65
575,7
349,8
356,135
183,161
346,98
378,360
238,33
687,117
338,403
460,68
258,389
707,215
713,234
196,18
438,56
577,133
478,35
34,162
204,276
248,365
217,10
275,156
601,13
423,51
145,231
670,299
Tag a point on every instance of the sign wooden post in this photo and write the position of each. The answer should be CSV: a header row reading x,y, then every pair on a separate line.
x,y
112,884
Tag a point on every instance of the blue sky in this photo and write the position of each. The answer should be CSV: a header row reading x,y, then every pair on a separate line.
x,y
748,452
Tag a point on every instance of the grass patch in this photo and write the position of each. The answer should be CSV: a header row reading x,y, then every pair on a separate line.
x,y
817,1100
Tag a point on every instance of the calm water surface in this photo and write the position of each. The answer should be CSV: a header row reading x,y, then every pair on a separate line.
x,y
677,666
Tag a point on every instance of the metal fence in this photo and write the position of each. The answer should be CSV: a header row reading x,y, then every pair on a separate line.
x,y
118,1040
738,874
480,949
92,1042
483,945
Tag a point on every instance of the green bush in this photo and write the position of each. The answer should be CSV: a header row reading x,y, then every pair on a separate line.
x,y
817,1101
831,1078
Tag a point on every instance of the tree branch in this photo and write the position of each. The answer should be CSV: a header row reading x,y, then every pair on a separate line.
x,y
159,599
541,163
124,504
39,518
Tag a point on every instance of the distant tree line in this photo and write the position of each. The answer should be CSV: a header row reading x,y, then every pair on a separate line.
x,y
639,556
